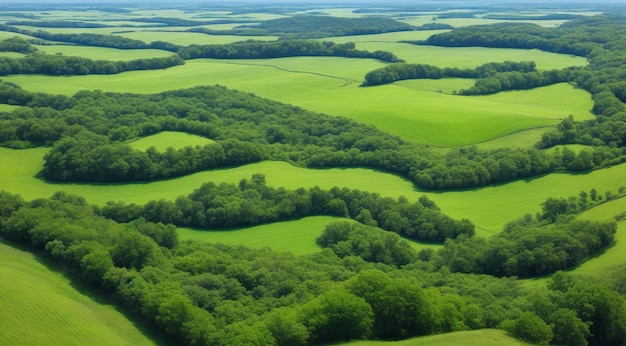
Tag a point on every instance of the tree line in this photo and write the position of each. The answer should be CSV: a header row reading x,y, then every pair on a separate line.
x,y
359,288
279,49
402,71
252,202
260,129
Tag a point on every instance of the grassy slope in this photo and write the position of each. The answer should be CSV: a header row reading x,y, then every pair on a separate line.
x,y
488,207
188,38
41,307
483,337
162,140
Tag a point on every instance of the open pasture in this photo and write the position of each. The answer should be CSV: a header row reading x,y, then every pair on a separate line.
x,y
163,140
396,36
7,108
296,236
326,85
484,337
102,53
40,306
11,55
470,57
187,38
488,207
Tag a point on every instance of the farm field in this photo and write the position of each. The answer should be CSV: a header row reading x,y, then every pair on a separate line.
x,y
187,38
163,140
54,311
437,119
486,209
103,53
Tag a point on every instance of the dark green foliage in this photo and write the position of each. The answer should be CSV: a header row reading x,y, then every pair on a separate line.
x,y
38,63
16,44
252,202
308,26
530,328
527,248
352,239
280,49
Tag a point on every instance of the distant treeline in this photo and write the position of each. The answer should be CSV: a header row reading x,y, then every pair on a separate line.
x,y
279,49
57,65
396,72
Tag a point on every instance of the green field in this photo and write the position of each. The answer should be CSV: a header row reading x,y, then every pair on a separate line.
x,y
330,85
296,236
102,53
163,140
41,306
483,206
483,337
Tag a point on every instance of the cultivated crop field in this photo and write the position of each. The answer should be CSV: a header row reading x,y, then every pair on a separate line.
x,y
235,292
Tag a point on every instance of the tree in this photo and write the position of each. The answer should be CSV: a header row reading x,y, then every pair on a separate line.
x,y
338,316
530,328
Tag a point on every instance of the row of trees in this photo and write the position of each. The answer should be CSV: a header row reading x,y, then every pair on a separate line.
x,y
274,130
253,202
396,72
39,63
211,294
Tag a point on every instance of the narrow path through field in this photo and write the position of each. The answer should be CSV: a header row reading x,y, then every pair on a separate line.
x,y
346,81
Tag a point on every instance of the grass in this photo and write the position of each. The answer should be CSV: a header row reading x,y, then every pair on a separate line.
x,y
163,140
329,85
296,236
188,38
7,108
488,207
102,53
483,337
470,57
40,306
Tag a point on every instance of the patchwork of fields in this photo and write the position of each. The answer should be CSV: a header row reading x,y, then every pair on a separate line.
x,y
421,111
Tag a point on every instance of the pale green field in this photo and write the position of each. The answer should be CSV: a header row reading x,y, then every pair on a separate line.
x,y
6,34
461,22
444,85
188,38
385,37
470,57
488,207
524,139
42,307
297,236
11,55
7,108
163,140
102,53
483,337
327,85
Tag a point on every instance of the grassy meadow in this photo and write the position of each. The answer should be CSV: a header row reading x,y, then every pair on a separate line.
x,y
103,53
163,140
187,38
41,306
483,337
